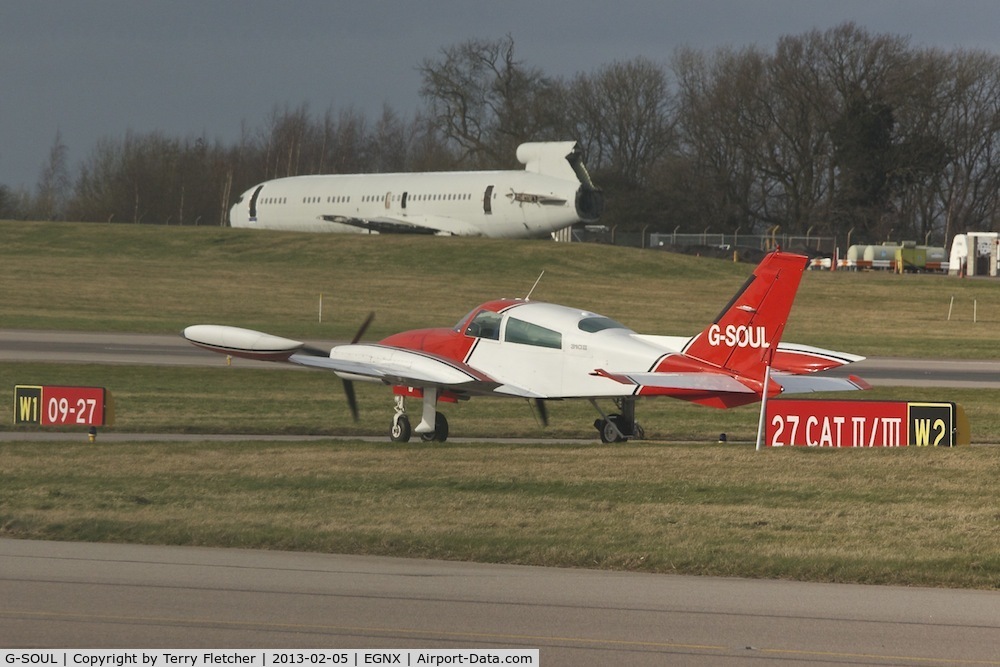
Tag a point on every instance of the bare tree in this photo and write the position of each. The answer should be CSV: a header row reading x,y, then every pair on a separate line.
x,y
969,125
623,112
53,190
726,133
487,102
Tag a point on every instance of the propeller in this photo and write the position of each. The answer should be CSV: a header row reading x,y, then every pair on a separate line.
x,y
543,411
363,328
352,399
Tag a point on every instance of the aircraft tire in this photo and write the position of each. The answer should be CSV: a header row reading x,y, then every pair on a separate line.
x,y
400,431
609,432
440,433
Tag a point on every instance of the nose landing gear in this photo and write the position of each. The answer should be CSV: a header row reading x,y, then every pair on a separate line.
x,y
400,431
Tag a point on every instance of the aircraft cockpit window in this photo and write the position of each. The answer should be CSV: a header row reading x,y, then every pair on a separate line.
x,y
532,334
485,325
458,325
598,323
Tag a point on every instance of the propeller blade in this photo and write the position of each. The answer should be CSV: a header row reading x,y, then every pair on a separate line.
x,y
352,401
543,411
364,327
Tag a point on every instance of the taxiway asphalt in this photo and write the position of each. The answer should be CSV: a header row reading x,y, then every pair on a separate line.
x,y
55,594
20,345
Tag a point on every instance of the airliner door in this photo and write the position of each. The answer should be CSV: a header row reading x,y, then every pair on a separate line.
x,y
488,200
253,203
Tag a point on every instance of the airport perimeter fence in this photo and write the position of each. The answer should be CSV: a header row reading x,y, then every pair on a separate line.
x,y
706,242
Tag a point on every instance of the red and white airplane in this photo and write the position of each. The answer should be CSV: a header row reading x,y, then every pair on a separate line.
x,y
542,351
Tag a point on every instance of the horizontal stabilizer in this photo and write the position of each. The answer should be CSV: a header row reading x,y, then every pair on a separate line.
x,y
800,359
805,384
693,381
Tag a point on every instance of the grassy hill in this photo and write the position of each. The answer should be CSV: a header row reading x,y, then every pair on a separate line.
x,y
160,279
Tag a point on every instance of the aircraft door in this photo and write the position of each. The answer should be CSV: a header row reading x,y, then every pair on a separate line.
x,y
533,357
488,200
388,200
402,202
253,203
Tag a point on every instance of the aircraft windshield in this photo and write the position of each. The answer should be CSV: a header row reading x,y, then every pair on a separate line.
x,y
597,323
486,324
458,325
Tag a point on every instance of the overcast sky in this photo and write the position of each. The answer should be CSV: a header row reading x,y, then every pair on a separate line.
x,y
92,69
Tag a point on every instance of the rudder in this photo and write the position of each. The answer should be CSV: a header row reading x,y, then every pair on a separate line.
x,y
753,321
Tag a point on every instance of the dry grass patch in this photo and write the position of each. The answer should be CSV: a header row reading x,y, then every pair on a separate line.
x,y
910,517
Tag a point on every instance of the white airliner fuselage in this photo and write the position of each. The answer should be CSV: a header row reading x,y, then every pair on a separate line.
x,y
552,192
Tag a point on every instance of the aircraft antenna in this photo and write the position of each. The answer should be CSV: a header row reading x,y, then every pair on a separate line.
x,y
537,280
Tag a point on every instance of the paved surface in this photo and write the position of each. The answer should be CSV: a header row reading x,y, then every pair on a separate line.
x,y
127,596
171,350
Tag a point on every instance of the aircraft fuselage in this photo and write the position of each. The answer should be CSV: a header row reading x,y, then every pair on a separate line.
x,y
552,192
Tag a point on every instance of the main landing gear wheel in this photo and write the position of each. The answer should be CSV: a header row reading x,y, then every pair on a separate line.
x,y
440,433
613,428
619,427
609,429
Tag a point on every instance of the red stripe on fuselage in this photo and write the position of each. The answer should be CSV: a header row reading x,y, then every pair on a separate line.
x,y
449,343
446,343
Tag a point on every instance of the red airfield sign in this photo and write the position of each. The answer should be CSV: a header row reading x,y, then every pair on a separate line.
x,y
61,406
825,423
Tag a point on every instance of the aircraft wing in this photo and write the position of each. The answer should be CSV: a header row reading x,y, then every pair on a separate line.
x,y
370,362
413,224
399,366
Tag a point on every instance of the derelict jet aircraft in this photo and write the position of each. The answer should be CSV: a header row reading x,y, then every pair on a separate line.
x,y
552,192
542,351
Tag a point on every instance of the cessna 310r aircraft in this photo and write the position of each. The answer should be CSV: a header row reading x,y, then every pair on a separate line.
x,y
553,191
541,351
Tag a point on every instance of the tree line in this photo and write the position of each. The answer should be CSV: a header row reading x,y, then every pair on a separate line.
x,y
840,133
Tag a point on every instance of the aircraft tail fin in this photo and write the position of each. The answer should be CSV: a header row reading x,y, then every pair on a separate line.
x,y
551,158
750,326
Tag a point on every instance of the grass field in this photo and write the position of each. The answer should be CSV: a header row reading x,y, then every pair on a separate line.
x,y
916,517
98,277
677,503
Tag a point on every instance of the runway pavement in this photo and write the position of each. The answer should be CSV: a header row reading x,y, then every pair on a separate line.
x,y
170,350
128,596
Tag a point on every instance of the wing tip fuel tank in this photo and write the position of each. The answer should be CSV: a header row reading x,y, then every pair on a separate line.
x,y
241,342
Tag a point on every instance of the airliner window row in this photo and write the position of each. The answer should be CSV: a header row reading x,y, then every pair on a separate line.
x,y
439,197
369,198
381,198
